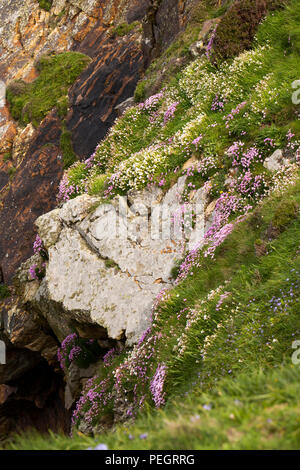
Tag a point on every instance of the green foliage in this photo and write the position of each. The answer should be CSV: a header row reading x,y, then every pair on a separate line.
x,y
109,263
123,29
140,91
98,185
247,413
11,172
4,291
285,213
7,156
45,4
31,102
69,156
237,28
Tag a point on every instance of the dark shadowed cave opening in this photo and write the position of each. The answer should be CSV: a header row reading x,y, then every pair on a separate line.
x,y
34,401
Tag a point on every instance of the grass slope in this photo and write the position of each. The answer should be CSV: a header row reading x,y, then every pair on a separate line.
x,y
31,102
221,341
257,410
231,384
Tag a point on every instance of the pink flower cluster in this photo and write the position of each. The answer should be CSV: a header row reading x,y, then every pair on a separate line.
x,y
244,159
37,273
74,348
89,162
251,185
38,245
190,262
109,356
226,205
151,103
66,345
66,190
95,398
269,142
197,141
157,385
218,104
233,113
169,114
222,298
218,238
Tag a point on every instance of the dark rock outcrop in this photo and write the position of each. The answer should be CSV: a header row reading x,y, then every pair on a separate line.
x,y
31,192
110,79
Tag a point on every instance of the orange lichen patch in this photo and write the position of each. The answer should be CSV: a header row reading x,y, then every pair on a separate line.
x,y
87,27
7,130
36,26
31,192
30,75
167,250
17,35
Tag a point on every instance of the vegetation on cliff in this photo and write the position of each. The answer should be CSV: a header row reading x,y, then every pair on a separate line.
x,y
214,369
225,338
242,106
30,102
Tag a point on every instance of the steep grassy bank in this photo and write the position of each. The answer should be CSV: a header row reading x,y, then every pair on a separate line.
x,y
217,358
225,337
255,411
230,117
31,102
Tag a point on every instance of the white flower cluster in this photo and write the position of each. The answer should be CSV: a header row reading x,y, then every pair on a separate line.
x,y
265,93
190,131
201,82
143,166
200,312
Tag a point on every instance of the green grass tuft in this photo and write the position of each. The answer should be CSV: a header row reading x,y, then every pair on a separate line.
x,y
31,102
45,4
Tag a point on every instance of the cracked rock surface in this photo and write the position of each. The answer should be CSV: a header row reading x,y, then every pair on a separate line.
x,y
102,278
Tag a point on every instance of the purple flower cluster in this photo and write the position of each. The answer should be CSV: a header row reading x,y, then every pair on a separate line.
x,y
38,245
66,346
37,273
73,348
190,262
222,298
233,113
269,142
109,356
169,114
133,377
89,162
151,103
66,190
253,186
218,104
244,159
197,141
95,398
226,205
218,239
157,385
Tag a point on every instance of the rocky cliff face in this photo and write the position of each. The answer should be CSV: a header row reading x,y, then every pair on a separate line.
x,y
31,167
27,33
98,283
